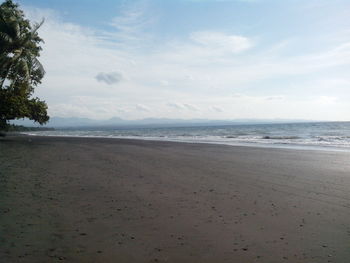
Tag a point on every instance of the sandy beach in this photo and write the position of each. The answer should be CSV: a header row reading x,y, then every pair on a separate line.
x,y
111,200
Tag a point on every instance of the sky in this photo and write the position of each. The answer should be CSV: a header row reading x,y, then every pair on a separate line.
x,y
207,59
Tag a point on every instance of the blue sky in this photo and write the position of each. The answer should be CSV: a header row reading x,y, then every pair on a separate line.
x,y
215,59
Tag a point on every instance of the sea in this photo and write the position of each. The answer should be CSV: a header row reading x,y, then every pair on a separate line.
x,y
315,135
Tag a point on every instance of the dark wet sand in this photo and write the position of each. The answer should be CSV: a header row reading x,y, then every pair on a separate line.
x,y
109,200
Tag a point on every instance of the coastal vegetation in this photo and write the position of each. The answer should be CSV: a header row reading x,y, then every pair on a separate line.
x,y
20,69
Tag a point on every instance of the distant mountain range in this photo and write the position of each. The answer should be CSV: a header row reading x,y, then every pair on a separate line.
x,y
59,122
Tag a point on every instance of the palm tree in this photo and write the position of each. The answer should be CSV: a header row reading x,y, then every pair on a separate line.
x,y
19,49
20,70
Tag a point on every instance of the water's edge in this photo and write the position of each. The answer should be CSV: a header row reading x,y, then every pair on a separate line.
x,y
251,144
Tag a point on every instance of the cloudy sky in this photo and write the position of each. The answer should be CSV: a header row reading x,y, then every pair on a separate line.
x,y
212,59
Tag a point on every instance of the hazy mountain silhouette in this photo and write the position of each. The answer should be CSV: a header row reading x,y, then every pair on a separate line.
x,y
74,122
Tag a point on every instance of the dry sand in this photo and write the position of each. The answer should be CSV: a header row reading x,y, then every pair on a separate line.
x,y
110,200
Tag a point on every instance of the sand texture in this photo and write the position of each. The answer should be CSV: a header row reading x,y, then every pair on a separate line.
x,y
110,200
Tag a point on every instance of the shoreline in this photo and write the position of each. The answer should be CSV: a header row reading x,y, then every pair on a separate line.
x,y
233,144
108,200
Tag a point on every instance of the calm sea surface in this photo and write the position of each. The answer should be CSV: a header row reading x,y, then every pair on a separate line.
x,y
325,135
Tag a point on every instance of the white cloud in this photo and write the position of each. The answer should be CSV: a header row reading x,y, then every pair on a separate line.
x,y
129,26
217,109
275,98
183,106
176,106
164,83
183,71
222,42
329,100
71,110
141,107
190,107
248,1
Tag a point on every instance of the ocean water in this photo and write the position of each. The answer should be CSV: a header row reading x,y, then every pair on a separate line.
x,y
322,135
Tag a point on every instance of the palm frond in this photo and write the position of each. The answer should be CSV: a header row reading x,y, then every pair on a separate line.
x,y
6,38
36,26
38,66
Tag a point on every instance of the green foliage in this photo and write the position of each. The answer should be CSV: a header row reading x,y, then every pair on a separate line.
x,y
20,69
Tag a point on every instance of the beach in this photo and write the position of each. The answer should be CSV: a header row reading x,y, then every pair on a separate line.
x,y
116,200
